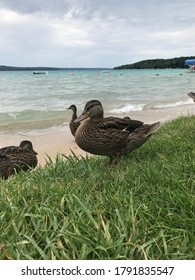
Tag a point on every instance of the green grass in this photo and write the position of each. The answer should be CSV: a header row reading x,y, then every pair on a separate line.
x,y
142,208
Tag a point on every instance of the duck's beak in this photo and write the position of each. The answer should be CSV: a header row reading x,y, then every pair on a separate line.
x,y
82,117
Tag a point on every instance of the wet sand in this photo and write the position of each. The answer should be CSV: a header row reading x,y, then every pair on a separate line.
x,y
56,140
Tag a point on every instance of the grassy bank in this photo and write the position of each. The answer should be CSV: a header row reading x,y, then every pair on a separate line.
x,y
143,208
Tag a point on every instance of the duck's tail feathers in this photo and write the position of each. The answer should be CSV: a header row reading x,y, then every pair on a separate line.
x,y
153,127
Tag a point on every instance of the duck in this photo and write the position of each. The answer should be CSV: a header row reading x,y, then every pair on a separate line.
x,y
13,159
72,125
192,95
110,136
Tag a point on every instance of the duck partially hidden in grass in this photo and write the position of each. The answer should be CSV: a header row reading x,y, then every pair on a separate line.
x,y
16,158
108,136
192,95
72,125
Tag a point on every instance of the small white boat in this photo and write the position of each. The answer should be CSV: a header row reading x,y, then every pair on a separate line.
x,y
105,71
39,72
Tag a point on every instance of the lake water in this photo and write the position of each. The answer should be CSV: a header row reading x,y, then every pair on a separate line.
x,y
39,101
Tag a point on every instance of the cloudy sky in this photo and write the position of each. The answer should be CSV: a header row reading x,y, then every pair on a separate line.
x,y
94,33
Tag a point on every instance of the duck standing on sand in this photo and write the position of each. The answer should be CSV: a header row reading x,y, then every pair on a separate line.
x,y
16,158
72,125
107,136
192,95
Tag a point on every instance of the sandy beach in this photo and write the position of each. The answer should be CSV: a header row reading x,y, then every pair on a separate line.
x,y
53,141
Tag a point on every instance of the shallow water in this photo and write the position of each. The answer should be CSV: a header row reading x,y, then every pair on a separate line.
x,y
38,101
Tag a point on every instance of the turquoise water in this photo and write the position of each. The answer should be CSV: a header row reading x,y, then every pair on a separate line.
x,y
36,101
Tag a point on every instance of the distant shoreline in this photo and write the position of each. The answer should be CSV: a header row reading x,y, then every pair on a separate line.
x,y
43,68
157,63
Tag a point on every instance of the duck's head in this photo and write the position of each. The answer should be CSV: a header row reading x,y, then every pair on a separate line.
x,y
93,109
72,107
27,145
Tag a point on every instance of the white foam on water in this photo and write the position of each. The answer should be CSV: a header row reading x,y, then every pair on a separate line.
x,y
174,104
128,108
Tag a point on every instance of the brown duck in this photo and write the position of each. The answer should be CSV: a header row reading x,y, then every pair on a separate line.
x,y
112,137
72,125
16,158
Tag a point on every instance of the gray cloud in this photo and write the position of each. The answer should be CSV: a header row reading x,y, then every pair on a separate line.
x,y
23,6
94,33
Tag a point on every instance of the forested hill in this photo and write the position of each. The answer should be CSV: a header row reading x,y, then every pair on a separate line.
x,y
159,63
13,68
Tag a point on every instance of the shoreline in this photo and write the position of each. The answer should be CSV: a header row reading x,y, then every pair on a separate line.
x,y
51,141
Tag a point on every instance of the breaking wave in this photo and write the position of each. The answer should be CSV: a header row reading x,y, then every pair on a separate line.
x,y
174,104
128,108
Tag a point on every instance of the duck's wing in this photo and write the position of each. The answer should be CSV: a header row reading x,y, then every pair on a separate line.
x,y
15,150
140,135
118,123
19,156
9,149
23,160
112,141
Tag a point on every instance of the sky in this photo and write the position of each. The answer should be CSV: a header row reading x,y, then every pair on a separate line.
x,y
94,33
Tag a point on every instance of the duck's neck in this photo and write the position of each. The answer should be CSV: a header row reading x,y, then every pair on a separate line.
x,y
74,114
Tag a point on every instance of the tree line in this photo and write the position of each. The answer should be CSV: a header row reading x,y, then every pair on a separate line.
x,y
159,63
